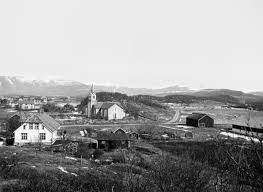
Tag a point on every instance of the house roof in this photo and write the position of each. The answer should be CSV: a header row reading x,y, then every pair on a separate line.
x,y
26,102
24,115
50,123
4,115
115,129
196,116
113,137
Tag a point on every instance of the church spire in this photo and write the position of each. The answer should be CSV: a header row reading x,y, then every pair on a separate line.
x,y
92,88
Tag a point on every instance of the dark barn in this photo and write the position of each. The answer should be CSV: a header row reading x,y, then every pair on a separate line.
x,y
109,141
199,120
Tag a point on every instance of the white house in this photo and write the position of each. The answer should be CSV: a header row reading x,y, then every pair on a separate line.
x,y
37,128
27,105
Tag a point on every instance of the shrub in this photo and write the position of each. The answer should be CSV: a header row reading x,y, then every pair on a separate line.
x,y
118,157
97,153
84,151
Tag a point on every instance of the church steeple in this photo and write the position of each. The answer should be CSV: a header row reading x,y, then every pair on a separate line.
x,y
92,88
92,100
92,94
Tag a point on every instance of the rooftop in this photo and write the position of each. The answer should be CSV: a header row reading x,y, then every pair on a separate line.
x,y
196,116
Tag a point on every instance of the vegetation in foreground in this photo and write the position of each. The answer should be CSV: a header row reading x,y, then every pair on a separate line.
x,y
172,166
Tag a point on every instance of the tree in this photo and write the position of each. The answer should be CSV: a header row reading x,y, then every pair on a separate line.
x,y
68,108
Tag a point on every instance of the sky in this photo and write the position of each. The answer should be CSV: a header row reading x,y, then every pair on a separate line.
x,y
136,43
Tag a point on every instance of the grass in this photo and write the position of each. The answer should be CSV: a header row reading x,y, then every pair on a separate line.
x,y
179,166
226,116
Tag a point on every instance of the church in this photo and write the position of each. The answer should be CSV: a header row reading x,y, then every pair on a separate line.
x,y
103,110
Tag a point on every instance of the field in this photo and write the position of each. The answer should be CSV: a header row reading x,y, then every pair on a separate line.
x,y
226,116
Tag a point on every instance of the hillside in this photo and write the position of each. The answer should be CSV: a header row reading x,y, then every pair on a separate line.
x,y
156,106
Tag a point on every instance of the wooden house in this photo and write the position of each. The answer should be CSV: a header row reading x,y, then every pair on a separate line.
x,y
36,128
109,141
199,120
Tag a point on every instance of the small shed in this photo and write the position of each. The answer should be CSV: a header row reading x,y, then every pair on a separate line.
x,y
199,120
109,141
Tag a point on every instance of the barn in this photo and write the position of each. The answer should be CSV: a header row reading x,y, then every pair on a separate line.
x,y
199,120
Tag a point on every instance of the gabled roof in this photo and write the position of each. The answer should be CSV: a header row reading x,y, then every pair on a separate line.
x,y
4,115
107,105
196,116
115,129
98,105
50,123
24,115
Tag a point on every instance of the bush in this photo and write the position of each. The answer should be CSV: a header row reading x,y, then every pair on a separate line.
x,y
118,157
97,153
84,151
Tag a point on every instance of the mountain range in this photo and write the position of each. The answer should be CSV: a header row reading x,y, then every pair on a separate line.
x,y
13,85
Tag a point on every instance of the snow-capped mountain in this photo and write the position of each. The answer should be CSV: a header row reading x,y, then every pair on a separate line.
x,y
22,86
13,85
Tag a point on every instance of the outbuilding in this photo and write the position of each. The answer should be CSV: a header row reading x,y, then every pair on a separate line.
x,y
199,120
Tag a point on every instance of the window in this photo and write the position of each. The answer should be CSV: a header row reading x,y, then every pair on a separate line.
x,y
43,127
24,126
42,136
36,125
202,124
30,125
23,136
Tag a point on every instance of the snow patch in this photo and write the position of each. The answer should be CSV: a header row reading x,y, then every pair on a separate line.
x,y
233,135
74,174
65,171
71,158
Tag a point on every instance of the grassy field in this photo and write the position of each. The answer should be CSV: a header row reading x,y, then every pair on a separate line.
x,y
226,116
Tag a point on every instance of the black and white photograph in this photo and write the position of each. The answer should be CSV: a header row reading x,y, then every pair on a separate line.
x,y
131,96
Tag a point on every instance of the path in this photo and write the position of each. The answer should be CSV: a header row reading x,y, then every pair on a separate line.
x,y
176,118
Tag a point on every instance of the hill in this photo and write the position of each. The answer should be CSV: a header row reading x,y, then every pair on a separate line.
x,y
156,106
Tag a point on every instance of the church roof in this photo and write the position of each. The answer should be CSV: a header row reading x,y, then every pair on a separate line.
x,y
106,105
98,105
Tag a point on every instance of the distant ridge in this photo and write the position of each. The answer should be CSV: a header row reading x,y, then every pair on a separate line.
x,y
13,85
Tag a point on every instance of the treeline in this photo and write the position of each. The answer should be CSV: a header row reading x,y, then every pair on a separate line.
x,y
50,107
159,101
155,101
